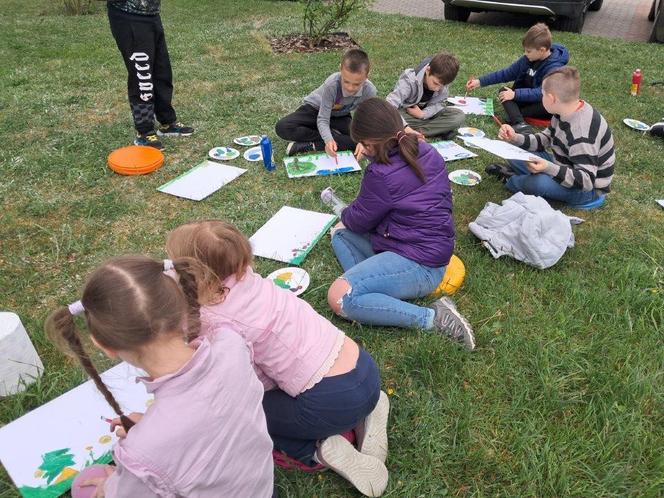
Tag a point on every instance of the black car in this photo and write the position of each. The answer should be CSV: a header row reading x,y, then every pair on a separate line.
x,y
569,14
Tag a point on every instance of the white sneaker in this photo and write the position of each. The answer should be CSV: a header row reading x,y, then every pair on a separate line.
x,y
372,433
368,474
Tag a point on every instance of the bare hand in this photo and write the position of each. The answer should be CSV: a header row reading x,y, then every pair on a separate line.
x,y
415,111
537,164
410,131
99,482
116,424
472,83
359,152
506,133
506,94
331,148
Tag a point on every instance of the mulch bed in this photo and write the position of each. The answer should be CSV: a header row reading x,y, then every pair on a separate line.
x,y
302,43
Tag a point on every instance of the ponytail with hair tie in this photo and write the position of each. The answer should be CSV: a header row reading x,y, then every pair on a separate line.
x,y
401,134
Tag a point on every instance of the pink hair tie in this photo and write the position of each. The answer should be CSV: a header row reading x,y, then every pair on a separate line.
x,y
401,135
76,308
168,265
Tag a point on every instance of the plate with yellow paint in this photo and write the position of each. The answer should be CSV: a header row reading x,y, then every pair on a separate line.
x,y
292,278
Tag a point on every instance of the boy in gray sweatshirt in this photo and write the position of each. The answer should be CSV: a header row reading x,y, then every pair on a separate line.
x,y
322,122
579,168
420,96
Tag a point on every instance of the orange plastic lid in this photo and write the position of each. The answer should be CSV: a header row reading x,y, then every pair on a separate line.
x,y
135,160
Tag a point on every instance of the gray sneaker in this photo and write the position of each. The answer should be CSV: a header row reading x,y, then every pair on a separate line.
x,y
450,322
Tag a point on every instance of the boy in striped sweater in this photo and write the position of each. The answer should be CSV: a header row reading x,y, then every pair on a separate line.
x,y
579,169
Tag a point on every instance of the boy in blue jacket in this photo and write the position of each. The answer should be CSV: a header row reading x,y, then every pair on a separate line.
x,y
524,99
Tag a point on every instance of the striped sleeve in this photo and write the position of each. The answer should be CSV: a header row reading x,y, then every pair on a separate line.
x,y
534,141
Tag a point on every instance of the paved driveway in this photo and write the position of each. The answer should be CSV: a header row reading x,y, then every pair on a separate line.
x,y
626,19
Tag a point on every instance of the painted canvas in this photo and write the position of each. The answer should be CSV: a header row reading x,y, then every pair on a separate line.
x,y
290,234
45,449
499,148
451,151
473,105
320,164
202,180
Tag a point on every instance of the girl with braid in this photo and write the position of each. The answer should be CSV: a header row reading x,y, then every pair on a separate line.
x,y
205,433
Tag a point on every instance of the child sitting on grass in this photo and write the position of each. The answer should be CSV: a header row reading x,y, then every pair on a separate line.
x,y
524,99
420,96
322,122
319,383
396,238
579,169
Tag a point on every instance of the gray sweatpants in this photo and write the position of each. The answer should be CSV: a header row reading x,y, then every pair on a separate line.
x,y
446,121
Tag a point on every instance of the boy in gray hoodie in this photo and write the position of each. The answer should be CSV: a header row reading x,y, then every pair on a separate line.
x,y
420,96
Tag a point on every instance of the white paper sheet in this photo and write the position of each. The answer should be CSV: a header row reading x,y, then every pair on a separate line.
x,y
202,180
474,105
290,234
500,148
320,164
70,423
451,151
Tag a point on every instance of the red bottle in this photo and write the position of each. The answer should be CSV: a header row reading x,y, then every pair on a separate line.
x,y
636,83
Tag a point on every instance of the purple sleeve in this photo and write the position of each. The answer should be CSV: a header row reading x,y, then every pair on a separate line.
x,y
371,205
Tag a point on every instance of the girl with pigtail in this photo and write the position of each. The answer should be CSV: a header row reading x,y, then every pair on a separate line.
x,y
205,434
396,238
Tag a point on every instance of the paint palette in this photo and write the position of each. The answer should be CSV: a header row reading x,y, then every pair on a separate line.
x,y
466,177
248,140
223,153
470,132
253,154
636,125
292,278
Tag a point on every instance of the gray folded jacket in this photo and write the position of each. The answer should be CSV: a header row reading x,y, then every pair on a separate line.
x,y
526,228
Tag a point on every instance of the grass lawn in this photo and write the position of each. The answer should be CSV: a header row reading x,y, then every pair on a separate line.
x,y
565,394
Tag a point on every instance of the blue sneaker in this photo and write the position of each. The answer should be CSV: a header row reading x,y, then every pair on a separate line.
x,y
149,139
175,130
599,202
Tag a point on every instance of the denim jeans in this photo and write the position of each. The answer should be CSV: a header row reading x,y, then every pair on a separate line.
x,y
333,406
545,186
380,282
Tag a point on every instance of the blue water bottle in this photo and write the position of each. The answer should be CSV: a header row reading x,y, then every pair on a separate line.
x,y
268,157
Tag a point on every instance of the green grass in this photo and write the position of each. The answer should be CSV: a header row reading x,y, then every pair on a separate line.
x,y
564,395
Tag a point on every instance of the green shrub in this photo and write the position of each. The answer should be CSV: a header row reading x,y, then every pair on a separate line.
x,y
78,7
322,17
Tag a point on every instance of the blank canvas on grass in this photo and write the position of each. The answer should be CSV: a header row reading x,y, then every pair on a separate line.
x,y
202,180
290,234
44,449
320,164
500,148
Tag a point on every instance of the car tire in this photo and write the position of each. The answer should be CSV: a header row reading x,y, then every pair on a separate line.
x,y
454,13
572,24
596,5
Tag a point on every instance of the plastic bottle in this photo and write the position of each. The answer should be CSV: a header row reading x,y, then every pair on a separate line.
x,y
636,83
329,197
268,155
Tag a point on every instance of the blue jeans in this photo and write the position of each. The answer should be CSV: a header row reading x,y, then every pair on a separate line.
x,y
380,282
545,186
335,405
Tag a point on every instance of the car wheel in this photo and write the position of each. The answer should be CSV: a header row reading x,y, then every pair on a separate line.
x,y
596,5
454,13
573,24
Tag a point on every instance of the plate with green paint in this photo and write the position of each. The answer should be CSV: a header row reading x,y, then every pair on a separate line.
x,y
291,278
248,140
466,177
223,153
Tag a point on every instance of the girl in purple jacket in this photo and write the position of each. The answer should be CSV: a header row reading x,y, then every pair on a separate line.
x,y
396,238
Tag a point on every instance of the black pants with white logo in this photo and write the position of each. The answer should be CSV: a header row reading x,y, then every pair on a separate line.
x,y
142,44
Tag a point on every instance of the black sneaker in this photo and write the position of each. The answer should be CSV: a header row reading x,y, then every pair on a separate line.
x,y
523,128
149,139
175,130
500,171
299,147
450,322
657,129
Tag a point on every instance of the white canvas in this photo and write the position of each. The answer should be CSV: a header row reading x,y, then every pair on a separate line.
x,y
500,148
202,180
290,234
474,105
320,164
72,422
451,151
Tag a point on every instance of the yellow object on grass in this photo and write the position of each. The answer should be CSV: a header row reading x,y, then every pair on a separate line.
x,y
452,280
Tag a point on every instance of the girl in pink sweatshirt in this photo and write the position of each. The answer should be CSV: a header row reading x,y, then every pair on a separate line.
x,y
204,435
319,383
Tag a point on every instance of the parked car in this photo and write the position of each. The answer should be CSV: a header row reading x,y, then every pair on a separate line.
x,y
569,14
657,16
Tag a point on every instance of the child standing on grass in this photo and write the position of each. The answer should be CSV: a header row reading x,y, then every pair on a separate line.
x,y
579,169
396,238
524,99
420,96
139,35
204,435
319,383
322,122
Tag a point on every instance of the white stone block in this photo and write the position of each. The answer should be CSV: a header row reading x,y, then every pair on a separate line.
x,y
20,364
